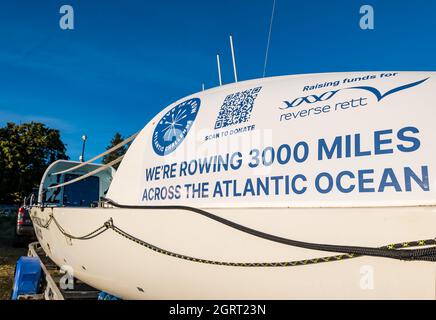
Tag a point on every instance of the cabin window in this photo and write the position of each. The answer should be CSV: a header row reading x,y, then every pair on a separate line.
x,y
83,193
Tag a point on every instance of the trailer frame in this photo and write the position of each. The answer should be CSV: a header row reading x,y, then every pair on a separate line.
x,y
51,276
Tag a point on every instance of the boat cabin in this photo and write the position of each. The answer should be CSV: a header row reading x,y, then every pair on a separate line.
x,y
83,193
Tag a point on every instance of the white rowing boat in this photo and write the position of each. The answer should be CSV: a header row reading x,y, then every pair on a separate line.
x,y
214,189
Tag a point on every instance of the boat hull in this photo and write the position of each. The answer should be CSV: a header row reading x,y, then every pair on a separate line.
x,y
115,264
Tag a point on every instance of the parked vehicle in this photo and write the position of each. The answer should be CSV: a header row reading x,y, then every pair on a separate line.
x,y
24,232
8,210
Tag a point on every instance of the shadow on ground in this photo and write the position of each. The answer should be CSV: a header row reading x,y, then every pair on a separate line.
x,y
8,255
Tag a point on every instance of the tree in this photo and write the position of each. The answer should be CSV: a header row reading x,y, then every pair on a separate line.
x,y
26,150
118,138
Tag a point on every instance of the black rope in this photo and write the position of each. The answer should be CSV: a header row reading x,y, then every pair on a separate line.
x,y
88,236
423,254
109,224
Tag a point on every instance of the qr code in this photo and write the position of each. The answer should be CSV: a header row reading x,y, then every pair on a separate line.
x,y
236,108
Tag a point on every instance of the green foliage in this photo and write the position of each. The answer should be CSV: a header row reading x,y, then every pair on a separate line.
x,y
25,152
118,138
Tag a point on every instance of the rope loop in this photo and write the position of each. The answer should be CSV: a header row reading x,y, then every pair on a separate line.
x,y
109,224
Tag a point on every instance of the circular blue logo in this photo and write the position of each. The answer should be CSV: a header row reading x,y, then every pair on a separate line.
x,y
172,129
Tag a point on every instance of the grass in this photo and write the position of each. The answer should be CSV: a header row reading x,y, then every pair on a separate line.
x,y
8,256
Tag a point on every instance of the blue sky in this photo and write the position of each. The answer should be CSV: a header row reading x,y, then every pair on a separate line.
x,y
126,60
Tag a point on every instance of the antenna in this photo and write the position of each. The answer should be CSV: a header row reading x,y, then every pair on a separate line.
x,y
219,68
233,58
202,87
269,38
